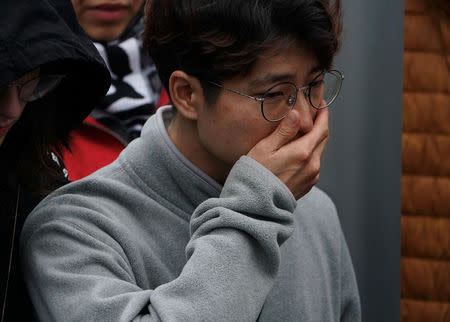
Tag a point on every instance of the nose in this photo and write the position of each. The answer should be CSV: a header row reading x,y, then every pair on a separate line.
x,y
9,100
10,105
307,113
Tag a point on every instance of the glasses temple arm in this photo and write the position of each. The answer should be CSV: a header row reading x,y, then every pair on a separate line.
x,y
258,99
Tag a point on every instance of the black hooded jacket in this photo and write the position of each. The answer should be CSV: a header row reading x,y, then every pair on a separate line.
x,y
41,33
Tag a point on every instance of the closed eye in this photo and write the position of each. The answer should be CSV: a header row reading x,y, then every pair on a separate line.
x,y
316,83
22,82
273,94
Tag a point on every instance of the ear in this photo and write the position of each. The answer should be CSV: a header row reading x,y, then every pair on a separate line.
x,y
186,94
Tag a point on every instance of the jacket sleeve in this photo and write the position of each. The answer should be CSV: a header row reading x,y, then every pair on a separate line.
x,y
233,258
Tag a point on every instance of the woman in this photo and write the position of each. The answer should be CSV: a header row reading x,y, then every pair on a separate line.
x,y
135,93
51,76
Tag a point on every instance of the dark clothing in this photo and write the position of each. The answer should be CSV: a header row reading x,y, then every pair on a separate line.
x,y
135,94
17,206
43,34
94,145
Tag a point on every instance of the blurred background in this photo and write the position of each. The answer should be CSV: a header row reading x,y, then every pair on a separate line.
x,y
387,164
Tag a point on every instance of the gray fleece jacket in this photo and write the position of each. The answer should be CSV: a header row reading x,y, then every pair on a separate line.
x,y
153,238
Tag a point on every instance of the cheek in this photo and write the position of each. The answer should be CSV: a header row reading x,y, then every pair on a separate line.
x,y
137,5
251,128
82,15
230,134
77,6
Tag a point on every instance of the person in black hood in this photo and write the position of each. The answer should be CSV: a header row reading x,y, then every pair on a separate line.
x,y
115,27
51,77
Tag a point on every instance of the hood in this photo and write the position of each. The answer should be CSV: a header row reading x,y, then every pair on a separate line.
x,y
46,33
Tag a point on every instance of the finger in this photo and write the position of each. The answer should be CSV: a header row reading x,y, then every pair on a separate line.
x,y
314,163
306,144
320,129
323,103
321,106
285,132
321,147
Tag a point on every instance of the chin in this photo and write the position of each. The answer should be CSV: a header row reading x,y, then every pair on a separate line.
x,y
105,34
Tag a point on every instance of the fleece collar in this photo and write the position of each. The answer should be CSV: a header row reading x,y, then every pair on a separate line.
x,y
173,179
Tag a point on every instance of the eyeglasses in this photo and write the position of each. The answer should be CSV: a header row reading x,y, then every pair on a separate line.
x,y
36,87
278,100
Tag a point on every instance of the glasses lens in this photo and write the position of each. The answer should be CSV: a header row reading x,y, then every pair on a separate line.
x,y
38,87
278,101
325,88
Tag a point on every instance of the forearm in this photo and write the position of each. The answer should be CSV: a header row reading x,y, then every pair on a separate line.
x,y
234,249
233,259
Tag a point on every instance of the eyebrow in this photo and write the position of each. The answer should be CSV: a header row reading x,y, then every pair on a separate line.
x,y
274,77
315,69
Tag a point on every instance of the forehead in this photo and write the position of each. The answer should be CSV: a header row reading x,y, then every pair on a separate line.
x,y
293,62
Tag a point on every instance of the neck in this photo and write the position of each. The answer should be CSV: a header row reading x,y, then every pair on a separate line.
x,y
183,132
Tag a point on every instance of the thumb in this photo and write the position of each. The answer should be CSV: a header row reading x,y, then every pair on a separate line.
x,y
286,130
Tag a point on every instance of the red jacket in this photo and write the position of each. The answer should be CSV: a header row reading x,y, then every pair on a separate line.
x,y
92,146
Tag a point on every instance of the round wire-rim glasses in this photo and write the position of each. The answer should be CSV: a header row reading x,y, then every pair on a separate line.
x,y
315,92
37,87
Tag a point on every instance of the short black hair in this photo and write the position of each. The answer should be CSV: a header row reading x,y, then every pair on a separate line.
x,y
216,40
